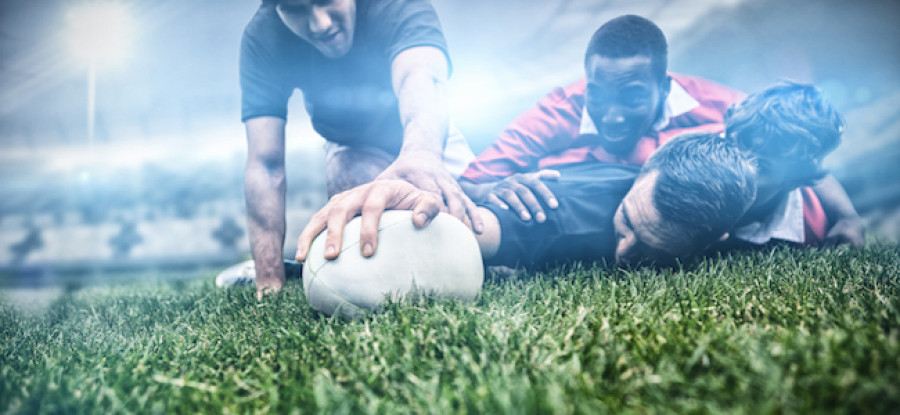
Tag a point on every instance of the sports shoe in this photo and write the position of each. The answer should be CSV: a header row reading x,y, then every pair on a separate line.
x,y
245,273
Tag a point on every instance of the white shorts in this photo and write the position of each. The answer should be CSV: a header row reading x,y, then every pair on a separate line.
x,y
457,153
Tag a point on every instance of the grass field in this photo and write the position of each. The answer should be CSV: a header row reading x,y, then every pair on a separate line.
x,y
780,331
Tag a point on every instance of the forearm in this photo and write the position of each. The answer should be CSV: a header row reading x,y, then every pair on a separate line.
x,y
424,117
489,239
844,224
420,78
264,190
835,201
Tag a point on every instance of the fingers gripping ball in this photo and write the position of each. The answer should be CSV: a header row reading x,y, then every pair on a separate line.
x,y
442,260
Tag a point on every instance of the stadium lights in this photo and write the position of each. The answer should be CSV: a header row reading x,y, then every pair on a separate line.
x,y
98,34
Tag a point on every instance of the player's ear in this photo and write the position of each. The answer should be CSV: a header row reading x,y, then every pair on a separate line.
x,y
665,86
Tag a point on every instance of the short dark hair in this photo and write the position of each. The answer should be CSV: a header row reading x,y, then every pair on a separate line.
x,y
705,184
630,35
787,120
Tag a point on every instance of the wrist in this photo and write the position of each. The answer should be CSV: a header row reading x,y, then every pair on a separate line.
x,y
419,153
270,269
848,217
478,192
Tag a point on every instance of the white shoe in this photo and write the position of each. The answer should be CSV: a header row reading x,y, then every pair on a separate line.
x,y
241,274
245,273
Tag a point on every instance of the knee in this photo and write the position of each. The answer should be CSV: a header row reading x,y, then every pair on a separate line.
x,y
350,167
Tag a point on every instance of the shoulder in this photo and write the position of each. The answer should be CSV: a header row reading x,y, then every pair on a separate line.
x,y
268,45
573,92
383,14
393,9
705,90
393,26
263,25
265,35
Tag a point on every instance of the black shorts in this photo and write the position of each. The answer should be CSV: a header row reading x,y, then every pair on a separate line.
x,y
580,229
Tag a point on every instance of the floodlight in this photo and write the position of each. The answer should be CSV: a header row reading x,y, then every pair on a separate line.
x,y
99,32
99,35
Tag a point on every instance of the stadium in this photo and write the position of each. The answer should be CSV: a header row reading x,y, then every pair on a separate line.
x,y
122,175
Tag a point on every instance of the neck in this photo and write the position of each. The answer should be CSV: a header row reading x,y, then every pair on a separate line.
x,y
762,208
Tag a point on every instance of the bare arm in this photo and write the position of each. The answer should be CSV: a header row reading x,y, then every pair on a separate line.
x,y
264,190
419,77
844,224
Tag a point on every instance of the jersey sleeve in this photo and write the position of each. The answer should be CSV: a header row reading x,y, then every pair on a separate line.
x,y
265,89
579,229
815,222
552,125
409,23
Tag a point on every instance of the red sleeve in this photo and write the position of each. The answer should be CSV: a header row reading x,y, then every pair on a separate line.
x,y
814,220
550,126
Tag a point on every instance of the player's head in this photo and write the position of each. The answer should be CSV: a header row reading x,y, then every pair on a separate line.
x,y
789,128
328,25
688,195
627,83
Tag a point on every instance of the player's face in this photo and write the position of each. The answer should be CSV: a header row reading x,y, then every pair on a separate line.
x,y
328,25
641,233
776,175
624,99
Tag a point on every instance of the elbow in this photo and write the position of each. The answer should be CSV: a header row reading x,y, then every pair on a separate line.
x,y
269,160
265,168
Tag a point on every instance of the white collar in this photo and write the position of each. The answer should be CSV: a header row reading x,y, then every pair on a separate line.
x,y
785,223
677,103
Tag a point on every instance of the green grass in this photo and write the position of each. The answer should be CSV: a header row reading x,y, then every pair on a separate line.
x,y
780,331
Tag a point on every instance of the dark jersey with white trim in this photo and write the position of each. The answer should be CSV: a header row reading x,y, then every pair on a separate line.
x,y
581,228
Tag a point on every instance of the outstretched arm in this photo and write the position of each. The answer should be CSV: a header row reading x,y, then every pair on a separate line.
x,y
521,192
264,189
844,224
419,76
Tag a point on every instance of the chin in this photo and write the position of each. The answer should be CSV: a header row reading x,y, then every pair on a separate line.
x,y
334,53
619,147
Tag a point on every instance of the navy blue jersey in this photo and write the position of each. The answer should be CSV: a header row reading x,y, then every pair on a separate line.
x,y
581,228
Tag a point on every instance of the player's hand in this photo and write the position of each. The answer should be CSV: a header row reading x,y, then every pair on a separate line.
x,y
847,231
370,200
520,192
426,171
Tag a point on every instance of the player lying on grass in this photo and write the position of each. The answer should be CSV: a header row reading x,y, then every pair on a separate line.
x,y
789,128
684,199
631,106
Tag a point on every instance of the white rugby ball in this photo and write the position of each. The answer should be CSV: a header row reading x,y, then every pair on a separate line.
x,y
441,260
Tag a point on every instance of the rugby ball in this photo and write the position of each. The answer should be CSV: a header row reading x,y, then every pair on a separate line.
x,y
441,260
